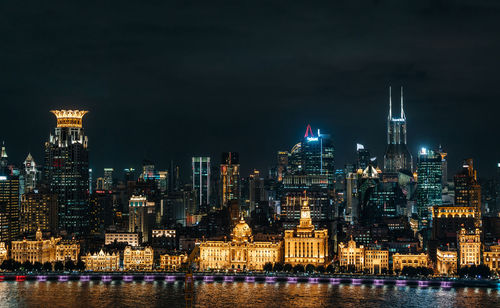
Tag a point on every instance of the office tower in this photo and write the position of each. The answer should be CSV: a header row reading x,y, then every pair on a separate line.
x,y
316,155
201,181
467,188
108,179
129,174
429,183
30,174
351,198
256,192
141,216
397,157
38,211
101,211
444,167
91,181
148,170
4,170
67,170
363,157
282,164
229,177
9,201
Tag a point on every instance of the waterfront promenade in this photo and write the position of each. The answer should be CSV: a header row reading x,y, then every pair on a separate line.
x,y
398,281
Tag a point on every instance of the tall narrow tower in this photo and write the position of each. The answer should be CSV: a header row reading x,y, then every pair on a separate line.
x,y
67,170
397,157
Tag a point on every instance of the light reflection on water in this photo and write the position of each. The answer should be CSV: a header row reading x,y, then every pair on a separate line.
x,y
239,294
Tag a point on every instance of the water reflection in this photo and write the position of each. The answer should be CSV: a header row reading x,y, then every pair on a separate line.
x,y
242,294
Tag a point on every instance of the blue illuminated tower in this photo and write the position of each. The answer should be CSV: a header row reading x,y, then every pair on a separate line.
x,y
429,183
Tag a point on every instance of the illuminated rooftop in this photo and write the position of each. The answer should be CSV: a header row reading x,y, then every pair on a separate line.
x,y
69,118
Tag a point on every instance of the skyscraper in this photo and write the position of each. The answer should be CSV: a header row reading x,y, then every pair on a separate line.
x,y
108,178
397,157
9,201
282,164
467,188
429,182
230,177
363,157
201,181
67,170
317,155
30,174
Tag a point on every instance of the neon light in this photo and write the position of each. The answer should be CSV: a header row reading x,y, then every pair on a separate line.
x,y
3,178
308,131
312,139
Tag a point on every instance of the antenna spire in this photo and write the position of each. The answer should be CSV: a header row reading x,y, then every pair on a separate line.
x,y
402,110
390,104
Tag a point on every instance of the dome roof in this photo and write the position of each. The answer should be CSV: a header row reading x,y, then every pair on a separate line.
x,y
242,230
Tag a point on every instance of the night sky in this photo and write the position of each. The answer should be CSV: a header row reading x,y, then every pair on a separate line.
x,y
172,79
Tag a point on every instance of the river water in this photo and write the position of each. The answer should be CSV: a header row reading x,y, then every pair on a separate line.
x,y
237,294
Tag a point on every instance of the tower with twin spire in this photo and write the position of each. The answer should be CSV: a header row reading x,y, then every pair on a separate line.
x,y
397,157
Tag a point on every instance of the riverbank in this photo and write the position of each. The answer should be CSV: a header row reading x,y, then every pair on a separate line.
x,y
255,278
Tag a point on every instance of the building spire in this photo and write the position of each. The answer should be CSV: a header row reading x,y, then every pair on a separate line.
x,y
4,152
390,104
309,132
403,116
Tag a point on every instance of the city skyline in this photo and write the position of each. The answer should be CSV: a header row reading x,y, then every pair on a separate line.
x,y
330,68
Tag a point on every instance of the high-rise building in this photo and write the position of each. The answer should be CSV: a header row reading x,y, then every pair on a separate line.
x,y
282,164
67,170
230,177
256,190
108,179
363,157
429,183
30,174
9,207
9,200
141,216
314,156
201,181
129,174
467,188
38,211
397,157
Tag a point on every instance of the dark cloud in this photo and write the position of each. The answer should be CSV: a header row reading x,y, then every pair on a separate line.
x,y
170,79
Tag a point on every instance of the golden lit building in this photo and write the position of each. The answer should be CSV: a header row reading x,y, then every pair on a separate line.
x,y
469,244
241,253
352,256
138,258
67,250
304,245
360,258
399,261
38,211
4,252
376,260
101,262
39,250
172,262
491,258
446,262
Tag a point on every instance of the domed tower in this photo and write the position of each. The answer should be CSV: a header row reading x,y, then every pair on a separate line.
x,y
242,232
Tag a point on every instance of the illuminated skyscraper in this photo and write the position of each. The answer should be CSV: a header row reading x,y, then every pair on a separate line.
x,y
467,188
230,177
201,181
9,201
30,174
38,211
108,178
67,170
397,157
256,190
429,182
363,156
282,164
